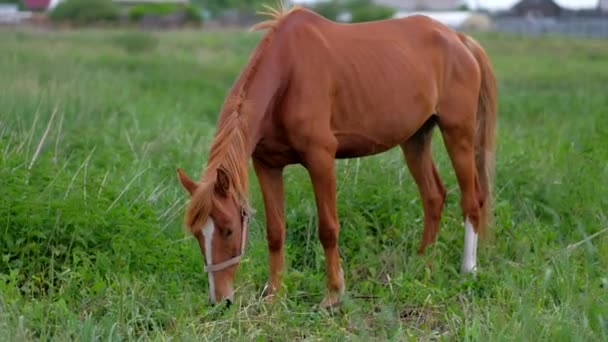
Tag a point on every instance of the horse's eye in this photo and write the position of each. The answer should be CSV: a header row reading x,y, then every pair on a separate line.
x,y
228,232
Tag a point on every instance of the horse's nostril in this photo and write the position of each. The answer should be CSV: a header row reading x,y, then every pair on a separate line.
x,y
228,303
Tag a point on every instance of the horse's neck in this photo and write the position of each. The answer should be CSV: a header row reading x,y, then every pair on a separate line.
x,y
251,99
260,96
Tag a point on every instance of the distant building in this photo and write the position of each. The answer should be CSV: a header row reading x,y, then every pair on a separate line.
x,y
450,12
536,8
36,5
9,14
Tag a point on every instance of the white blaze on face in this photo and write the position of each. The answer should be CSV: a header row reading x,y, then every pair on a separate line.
x,y
208,230
469,258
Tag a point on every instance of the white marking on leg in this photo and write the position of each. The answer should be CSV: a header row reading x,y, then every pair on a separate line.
x,y
208,229
469,258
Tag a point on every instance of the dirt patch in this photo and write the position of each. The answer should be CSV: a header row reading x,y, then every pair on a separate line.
x,y
426,318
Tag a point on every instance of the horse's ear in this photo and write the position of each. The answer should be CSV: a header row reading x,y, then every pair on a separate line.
x,y
187,183
222,182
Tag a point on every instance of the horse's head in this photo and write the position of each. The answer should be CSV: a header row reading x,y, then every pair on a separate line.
x,y
218,220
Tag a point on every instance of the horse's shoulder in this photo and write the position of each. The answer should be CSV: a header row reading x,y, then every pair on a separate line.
x,y
302,29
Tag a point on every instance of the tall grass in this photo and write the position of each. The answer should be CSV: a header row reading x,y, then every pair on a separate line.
x,y
91,212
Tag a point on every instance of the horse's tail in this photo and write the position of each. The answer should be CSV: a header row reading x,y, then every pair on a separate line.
x,y
485,132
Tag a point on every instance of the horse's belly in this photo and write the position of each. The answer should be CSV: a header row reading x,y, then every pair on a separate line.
x,y
353,145
363,135
371,125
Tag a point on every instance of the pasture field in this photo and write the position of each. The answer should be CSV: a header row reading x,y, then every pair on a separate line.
x,y
94,123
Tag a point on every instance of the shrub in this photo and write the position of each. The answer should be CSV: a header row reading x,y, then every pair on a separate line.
x,y
371,12
139,11
329,9
192,13
361,10
85,11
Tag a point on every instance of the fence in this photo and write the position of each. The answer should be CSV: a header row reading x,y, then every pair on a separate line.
x,y
596,27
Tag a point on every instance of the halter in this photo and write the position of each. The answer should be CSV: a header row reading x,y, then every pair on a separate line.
x,y
236,259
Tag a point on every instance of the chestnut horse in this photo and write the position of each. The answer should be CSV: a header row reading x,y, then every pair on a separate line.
x,y
315,90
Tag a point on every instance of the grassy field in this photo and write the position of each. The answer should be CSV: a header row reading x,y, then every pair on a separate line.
x,y
94,123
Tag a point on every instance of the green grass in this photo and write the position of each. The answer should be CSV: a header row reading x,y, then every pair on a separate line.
x,y
92,242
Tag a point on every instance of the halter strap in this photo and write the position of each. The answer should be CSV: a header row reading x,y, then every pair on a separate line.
x,y
236,259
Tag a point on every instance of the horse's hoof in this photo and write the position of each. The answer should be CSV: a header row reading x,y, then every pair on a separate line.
x,y
269,299
268,294
468,269
266,291
331,301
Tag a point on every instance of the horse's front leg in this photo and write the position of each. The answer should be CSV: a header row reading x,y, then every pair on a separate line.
x,y
271,183
320,165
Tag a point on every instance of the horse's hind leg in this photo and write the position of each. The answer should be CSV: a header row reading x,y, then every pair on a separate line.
x,y
417,151
457,124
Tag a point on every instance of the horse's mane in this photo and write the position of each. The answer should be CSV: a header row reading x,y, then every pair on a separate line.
x,y
228,153
276,15
229,150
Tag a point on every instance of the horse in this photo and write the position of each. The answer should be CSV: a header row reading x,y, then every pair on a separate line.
x,y
315,90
